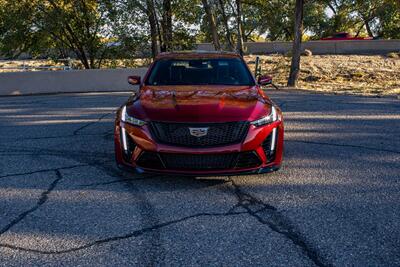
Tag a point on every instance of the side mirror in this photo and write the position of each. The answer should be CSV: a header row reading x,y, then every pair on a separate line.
x,y
134,80
264,80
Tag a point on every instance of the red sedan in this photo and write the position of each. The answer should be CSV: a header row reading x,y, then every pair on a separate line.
x,y
199,113
344,36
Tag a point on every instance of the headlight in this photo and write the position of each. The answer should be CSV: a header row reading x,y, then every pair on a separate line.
x,y
128,119
273,116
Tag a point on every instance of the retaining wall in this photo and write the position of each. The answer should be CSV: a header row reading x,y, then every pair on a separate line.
x,y
372,47
23,83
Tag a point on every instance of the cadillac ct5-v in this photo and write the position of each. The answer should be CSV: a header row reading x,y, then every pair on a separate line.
x,y
199,113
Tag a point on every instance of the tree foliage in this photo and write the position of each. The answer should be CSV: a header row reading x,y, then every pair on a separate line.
x,y
92,30
79,26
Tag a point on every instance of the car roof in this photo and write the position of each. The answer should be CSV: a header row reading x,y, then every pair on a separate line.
x,y
197,54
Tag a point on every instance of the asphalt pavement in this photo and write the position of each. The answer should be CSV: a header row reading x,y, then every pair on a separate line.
x,y
335,202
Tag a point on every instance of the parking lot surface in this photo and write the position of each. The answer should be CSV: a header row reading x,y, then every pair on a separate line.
x,y
335,202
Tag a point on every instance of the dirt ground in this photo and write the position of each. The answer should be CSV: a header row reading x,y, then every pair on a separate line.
x,y
353,74
340,74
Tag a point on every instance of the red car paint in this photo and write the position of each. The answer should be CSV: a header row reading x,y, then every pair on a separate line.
x,y
203,105
344,36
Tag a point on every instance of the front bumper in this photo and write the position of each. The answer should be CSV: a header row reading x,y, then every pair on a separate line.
x,y
139,170
145,155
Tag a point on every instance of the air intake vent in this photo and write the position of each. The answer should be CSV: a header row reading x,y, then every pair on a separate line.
x,y
131,145
150,160
267,145
248,160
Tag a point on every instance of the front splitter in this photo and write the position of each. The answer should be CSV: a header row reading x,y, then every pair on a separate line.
x,y
262,170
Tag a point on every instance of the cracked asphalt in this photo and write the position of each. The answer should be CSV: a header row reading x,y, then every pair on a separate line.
x,y
335,202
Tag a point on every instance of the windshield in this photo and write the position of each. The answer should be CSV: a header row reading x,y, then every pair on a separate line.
x,y
218,71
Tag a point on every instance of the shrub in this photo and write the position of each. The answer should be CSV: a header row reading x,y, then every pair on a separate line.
x,y
393,55
307,53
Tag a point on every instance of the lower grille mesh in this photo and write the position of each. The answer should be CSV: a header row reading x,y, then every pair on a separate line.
x,y
199,162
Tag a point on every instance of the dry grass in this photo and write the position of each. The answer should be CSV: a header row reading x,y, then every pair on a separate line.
x,y
44,64
34,65
366,75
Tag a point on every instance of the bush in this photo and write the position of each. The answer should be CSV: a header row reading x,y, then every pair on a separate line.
x,y
393,55
307,53
312,78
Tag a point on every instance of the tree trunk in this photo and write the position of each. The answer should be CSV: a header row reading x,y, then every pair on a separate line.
x,y
82,58
160,38
296,52
370,33
167,25
239,43
212,24
359,30
227,30
151,14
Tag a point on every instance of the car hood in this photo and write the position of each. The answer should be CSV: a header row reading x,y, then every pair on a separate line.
x,y
199,103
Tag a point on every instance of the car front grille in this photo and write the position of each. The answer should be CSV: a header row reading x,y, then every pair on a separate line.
x,y
201,162
218,134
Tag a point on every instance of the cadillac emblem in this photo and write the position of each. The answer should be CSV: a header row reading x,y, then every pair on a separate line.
x,y
198,132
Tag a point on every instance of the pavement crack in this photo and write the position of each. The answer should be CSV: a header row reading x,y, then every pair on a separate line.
x,y
91,123
44,170
135,233
122,180
277,222
42,200
282,104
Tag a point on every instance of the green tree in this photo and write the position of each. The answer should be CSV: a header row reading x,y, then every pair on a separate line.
x,y
77,25
389,20
97,29
340,19
16,32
